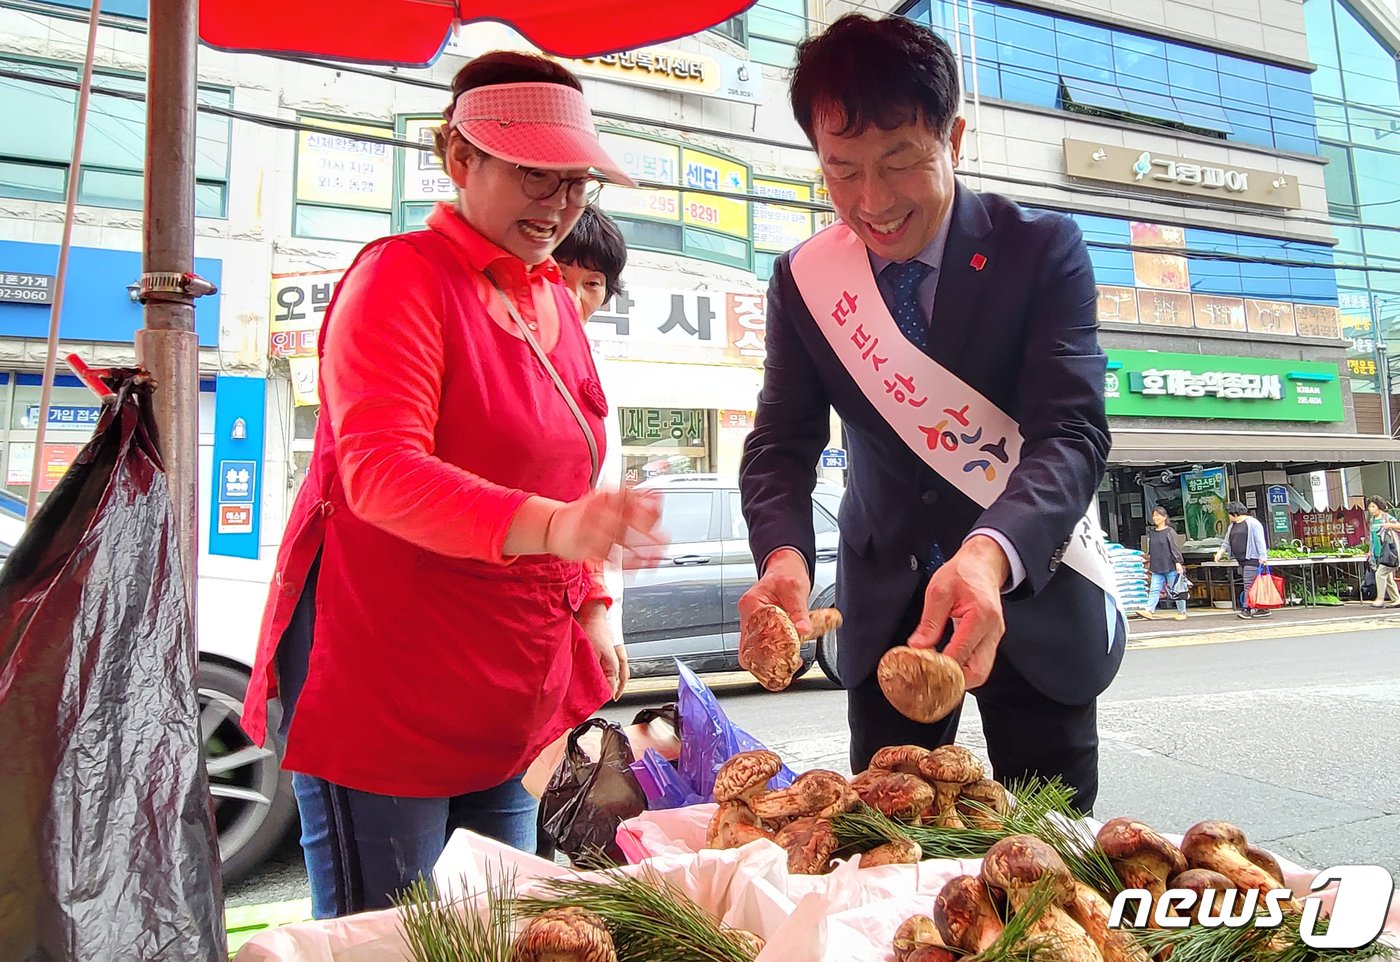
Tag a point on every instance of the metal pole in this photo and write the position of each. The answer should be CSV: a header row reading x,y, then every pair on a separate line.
x,y
1383,384
168,347
61,279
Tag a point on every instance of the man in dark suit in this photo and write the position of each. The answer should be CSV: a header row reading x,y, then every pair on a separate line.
x,y
1004,299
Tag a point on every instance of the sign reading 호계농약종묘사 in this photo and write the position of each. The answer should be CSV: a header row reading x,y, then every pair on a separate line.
x,y
1156,384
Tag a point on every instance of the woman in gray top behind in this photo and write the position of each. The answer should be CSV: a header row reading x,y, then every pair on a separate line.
x,y
1164,561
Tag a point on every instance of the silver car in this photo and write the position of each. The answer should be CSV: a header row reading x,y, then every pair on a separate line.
x,y
685,604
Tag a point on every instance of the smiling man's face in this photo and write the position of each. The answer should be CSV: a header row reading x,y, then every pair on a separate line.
x,y
892,187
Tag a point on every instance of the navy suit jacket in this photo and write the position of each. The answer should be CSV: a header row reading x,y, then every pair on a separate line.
x,y
1023,332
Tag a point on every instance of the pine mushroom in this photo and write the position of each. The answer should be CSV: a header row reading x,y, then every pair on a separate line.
x,y
983,804
897,795
1210,888
1267,862
1222,847
902,851
1091,911
564,935
823,622
1017,864
819,792
734,824
769,647
948,768
899,758
914,933
810,842
922,684
745,775
1142,858
965,915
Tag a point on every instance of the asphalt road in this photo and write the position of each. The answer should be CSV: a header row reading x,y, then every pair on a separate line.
x,y
1294,737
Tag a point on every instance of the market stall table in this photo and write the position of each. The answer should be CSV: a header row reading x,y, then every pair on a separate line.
x,y
1304,570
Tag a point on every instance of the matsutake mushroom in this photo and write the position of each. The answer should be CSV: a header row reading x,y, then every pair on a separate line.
x,y
1091,911
902,851
568,934
983,804
1267,862
1142,858
745,775
899,758
734,824
923,684
810,843
818,792
1222,847
897,795
931,953
823,622
965,915
914,933
1016,864
769,647
1210,888
948,768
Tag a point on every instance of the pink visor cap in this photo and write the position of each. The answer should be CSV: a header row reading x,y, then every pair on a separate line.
x,y
542,125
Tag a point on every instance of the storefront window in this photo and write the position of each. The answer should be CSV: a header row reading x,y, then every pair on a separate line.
x,y
665,441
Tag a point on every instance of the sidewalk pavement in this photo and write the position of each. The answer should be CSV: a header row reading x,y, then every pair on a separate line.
x,y
1199,620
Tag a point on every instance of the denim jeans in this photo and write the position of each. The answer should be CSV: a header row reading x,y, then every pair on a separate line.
x,y
1154,593
362,849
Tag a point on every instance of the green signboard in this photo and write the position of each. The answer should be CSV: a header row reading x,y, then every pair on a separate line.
x,y
1157,385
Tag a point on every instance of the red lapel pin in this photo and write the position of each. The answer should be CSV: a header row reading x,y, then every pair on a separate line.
x,y
978,262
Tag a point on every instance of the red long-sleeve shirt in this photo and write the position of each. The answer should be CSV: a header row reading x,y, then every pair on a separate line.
x,y
439,665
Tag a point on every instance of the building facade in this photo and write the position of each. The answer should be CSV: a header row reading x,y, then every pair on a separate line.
x,y
1195,143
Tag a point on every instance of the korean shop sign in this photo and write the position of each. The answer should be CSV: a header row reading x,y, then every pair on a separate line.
x,y
1136,167
708,75
1153,384
664,324
297,307
18,288
335,167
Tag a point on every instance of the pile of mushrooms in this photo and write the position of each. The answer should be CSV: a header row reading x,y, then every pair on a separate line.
x,y
945,787
968,912
1214,858
566,934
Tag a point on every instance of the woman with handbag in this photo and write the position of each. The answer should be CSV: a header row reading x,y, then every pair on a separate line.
x,y
438,615
1385,552
1165,563
1248,546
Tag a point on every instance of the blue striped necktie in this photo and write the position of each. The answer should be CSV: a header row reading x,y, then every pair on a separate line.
x,y
905,279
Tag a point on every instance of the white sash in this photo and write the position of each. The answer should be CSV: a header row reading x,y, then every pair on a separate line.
x,y
968,440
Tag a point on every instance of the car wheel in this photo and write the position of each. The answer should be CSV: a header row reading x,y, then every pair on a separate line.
x,y
826,654
253,802
806,667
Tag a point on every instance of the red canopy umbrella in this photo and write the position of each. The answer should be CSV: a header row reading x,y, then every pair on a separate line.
x,y
413,32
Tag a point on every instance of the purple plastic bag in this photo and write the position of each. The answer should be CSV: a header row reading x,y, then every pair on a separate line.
x,y
709,739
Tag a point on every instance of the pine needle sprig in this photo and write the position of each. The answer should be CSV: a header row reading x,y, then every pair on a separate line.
x,y
865,827
1014,943
1282,943
457,931
649,918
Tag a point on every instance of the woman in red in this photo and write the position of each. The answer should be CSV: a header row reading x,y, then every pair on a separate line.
x,y
437,616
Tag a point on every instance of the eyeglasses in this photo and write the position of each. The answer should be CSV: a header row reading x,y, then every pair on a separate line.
x,y
544,185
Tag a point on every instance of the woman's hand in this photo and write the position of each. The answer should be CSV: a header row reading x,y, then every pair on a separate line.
x,y
588,529
612,658
591,527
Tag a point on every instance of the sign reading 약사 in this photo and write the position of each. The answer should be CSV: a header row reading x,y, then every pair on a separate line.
x,y
664,324
1154,384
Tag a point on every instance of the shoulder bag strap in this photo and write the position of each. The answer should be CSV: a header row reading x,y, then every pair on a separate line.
x,y
554,376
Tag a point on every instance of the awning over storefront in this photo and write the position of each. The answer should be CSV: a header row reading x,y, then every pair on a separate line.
x,y
1315,451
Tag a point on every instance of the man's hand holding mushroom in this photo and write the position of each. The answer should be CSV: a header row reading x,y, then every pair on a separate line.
x,y
785,583
967,589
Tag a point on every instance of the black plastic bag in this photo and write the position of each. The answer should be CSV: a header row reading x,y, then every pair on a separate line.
x,y
107,846
586,800
1368,583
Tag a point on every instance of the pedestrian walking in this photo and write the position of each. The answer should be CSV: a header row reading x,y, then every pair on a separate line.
x,y
1164,562
1384,555
1246,545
